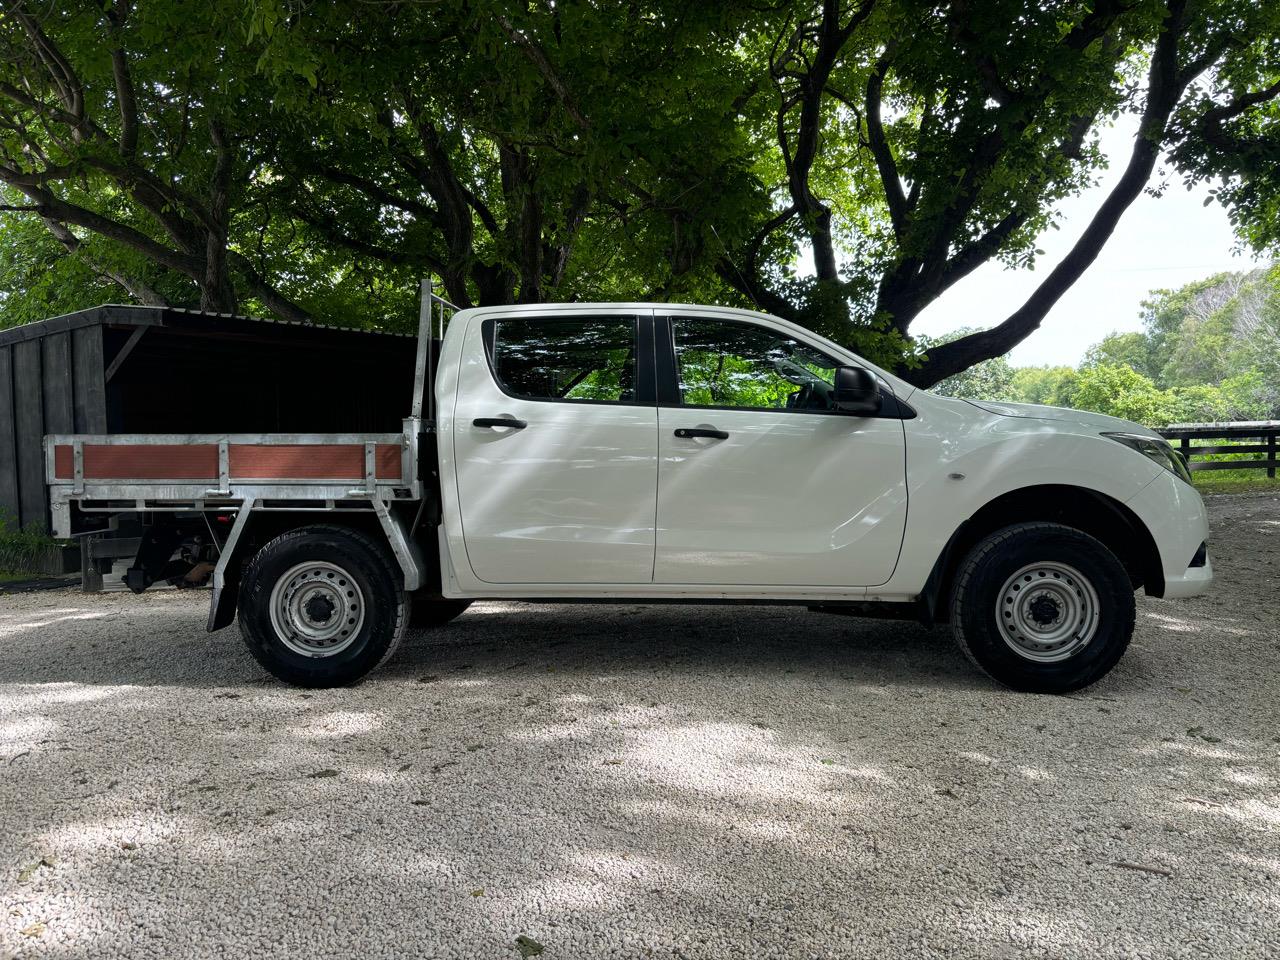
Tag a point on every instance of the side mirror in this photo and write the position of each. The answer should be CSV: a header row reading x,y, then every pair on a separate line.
x,y
856,391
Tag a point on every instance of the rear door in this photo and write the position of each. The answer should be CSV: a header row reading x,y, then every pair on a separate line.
x,y
555,447
760,481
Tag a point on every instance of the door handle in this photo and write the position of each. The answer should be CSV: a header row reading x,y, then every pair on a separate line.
x,y
511,422
687,433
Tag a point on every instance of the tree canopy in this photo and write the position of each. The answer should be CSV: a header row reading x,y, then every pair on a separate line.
x,y
841,163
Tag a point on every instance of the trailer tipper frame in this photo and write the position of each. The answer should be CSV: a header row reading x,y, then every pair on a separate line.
x,y
216,483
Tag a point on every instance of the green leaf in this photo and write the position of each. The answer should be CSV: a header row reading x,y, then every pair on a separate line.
x,y
528,946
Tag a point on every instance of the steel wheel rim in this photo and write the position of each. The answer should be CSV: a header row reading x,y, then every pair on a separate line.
x,y
1047,612
317,609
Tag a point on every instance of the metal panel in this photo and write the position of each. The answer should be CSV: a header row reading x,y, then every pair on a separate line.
x,y
90,406
8,441
315,461
312,462
28,396
143,460
63,461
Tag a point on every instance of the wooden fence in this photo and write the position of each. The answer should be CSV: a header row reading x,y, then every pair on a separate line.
x,y
1254,437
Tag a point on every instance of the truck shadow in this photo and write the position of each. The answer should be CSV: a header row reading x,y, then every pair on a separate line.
x,y
110,641
688,641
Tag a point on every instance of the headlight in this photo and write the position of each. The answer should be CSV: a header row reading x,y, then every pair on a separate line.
x,y
1157,451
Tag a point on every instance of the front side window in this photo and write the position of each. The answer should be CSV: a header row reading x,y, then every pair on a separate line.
x,y
722,363
591,359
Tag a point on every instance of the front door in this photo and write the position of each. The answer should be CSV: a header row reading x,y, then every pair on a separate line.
x,y
760,480
555,447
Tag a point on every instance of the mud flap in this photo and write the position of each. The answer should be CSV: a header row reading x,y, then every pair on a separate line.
x,y
226,588
406,550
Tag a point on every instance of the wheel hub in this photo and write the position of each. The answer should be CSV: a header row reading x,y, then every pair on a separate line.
x,y
317,609
1044,611
1047,612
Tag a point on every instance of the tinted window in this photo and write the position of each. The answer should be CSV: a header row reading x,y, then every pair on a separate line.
x,y
726,364
593,359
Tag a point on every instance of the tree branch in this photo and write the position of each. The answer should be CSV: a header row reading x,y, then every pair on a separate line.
x,y
49,206
756,292
880,151
126,97
274,300
539,59
139,290
1164,88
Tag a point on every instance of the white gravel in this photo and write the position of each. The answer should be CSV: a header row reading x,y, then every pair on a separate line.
x,y
630,781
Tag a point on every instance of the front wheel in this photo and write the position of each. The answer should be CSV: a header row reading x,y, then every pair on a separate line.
x,y
321,606
1043,607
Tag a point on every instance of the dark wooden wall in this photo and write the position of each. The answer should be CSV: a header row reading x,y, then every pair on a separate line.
x,y
47,385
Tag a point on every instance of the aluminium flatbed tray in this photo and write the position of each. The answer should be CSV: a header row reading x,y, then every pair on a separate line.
x,y
157,472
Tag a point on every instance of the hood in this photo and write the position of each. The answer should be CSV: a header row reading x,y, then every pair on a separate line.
x,y
1036,411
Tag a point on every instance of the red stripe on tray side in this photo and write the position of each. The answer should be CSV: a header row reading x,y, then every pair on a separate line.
x,y
63,462
149,461
310,461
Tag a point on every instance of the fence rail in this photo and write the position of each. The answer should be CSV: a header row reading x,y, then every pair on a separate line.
x,y
1240,438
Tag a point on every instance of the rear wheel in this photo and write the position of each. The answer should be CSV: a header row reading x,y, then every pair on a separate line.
x,y
1043,607
321,606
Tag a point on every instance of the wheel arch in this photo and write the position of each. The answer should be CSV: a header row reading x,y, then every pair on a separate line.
x,y
263,526
1091,511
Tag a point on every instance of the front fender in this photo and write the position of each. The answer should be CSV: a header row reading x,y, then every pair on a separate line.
x,y
958,463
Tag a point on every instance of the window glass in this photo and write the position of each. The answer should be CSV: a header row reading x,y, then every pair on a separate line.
x,y
592,359
726,364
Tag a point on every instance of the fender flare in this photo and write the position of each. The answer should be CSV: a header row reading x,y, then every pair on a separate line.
x,y
226,574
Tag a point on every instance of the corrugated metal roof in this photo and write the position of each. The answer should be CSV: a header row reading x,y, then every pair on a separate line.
x,y
116,314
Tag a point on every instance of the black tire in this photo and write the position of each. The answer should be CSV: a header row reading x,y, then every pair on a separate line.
x,y
427,613
322,572
1049,559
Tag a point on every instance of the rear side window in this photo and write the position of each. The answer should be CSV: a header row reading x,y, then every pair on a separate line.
x,y
591,360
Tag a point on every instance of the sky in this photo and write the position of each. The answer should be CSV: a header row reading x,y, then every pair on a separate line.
x,y
1161,242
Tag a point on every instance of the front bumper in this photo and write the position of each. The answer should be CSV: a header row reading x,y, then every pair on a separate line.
x,y
1191,583
1174,514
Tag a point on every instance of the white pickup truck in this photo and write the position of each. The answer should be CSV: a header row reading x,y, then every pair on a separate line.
x,y
659,452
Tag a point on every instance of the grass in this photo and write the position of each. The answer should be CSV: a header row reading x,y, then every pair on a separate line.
x,y
19,549
1235,481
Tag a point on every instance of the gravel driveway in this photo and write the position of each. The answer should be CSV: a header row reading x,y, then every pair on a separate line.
x,y
631,781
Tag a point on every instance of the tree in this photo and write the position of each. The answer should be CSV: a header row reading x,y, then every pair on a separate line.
x,y
521,154
38,279
1123,392
1132,350
1052,386
927,139
139,126
1211,330
315,159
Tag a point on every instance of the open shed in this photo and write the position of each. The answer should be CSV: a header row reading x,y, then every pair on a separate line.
x,y
120,369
